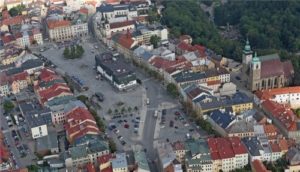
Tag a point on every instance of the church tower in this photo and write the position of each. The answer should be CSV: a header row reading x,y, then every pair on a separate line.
x,y
255,69
247,56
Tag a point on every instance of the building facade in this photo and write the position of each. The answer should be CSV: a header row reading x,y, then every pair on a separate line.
x,y
260,72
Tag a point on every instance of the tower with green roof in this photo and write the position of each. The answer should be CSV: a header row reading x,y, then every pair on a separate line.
x,y
247,53
255,70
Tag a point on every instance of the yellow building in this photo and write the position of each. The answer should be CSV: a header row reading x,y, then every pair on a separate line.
x,y
19,82
9,60
237,108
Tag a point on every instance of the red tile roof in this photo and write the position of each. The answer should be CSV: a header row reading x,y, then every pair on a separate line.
x,y
108,169
258,166
90,167
283,144
4,79
13,20
104,158
270,129
126,41
79,114
47,75
238,147
223,148
271,93
121,24
216,82
268,70
52,24
284,115
84,10
79,123
19,76
55,90
186,47
160,63
194,93
275,147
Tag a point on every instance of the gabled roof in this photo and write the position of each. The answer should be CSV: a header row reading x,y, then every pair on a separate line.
x,y
19,77
271,93
52,24
284,115
258,166
121,24
47,75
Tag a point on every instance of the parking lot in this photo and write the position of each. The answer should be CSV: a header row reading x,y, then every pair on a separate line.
x,y
174,126
17,137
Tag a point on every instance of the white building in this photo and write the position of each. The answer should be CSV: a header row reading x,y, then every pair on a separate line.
x,y
109,11
39,131
111,28
119,163
38,118
286,95
116,70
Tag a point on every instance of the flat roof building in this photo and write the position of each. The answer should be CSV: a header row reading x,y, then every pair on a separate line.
x,y
116,70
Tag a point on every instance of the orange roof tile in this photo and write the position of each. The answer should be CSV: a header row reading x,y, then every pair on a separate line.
x,y
52,24
216,82
283,144
270,129
270,93
121,24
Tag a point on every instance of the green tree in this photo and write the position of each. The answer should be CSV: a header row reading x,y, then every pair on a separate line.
x,y
153,15
123,110
66,52
8,106
33,168
13,12
154,40
129,109
172,90
116,111
16,10
298,112
112,146
136,108
82,98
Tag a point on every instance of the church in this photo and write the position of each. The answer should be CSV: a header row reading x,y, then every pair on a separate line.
x,y
265,72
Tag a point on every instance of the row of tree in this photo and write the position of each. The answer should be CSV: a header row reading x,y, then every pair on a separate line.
x,y
73,52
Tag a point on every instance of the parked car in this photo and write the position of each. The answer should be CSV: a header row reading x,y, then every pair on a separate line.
x,y
126,126
99,96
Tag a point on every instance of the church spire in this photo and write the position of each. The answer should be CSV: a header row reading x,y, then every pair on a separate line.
x,y
247,46
255,58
